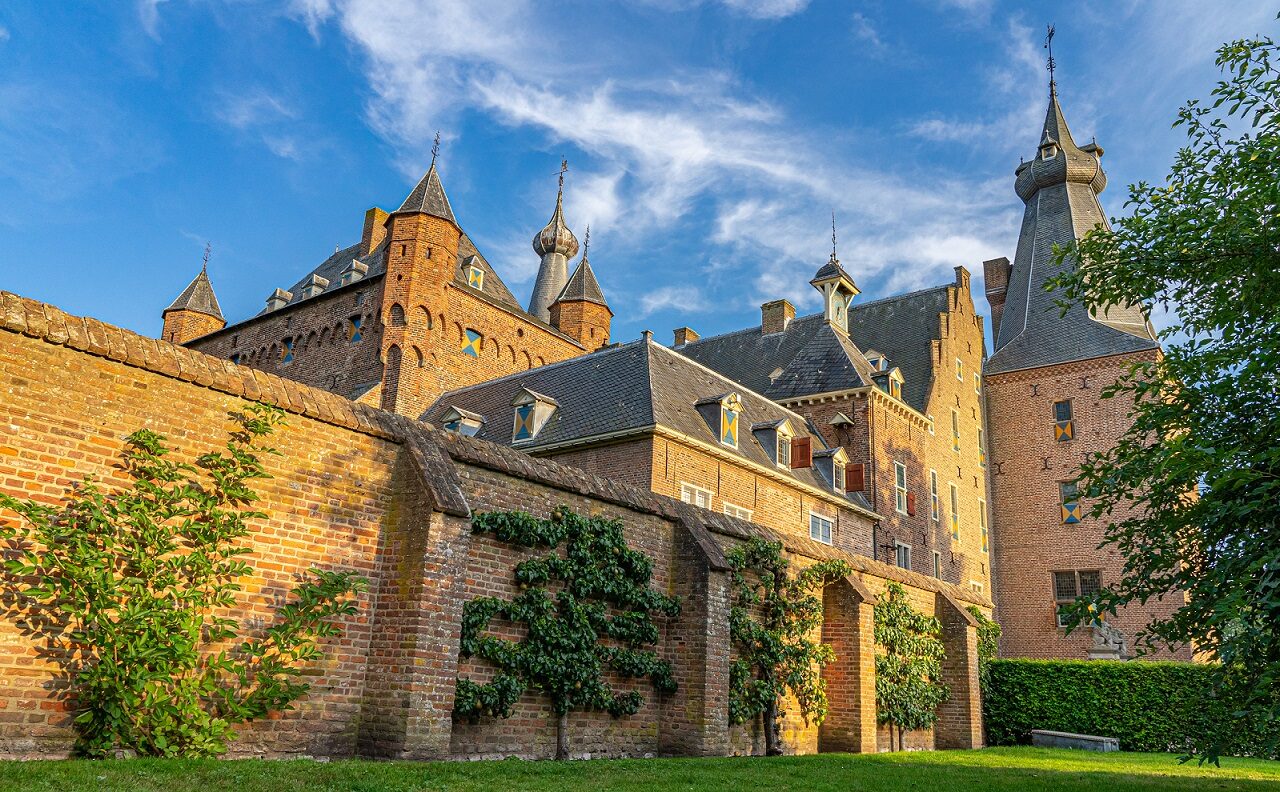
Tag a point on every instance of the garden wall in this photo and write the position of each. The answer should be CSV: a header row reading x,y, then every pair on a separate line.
x,y
357,488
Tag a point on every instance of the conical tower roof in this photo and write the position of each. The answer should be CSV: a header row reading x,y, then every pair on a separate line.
x,y
583,286
428,197
198,297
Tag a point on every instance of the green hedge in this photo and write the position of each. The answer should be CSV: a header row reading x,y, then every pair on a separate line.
x,y
1149,706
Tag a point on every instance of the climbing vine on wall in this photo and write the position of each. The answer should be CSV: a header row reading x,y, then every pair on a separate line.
x,y
909,655
588,613
771,623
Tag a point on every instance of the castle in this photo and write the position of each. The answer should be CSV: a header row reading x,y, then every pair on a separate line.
x,y
881,427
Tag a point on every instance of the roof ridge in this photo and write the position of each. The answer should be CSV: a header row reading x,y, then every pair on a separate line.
x,y
753,328
902,296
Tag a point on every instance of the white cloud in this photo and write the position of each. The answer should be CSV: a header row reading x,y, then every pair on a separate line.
x,y
149,17
4,33
686,299
767,9
252,107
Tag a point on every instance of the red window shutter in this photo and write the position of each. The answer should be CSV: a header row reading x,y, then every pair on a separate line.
x,y
855,478
801,452
911,504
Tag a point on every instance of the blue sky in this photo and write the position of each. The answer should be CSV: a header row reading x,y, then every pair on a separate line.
x,y
708,140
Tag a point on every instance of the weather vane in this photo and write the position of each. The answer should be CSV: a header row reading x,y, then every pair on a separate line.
x,y
586,242
205,266
564,168
435,148
833,235
1048,44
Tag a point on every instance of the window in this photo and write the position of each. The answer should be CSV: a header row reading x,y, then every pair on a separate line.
x,y
960,369
900,487
784,450
1069,585
1064,428
1070,495
977,383
524,421
935,504
354,331
475,277
463,422
982,448
937,565
837,475
819,528
695,495
931,426
902,554
895,388
734,510
472,343
360,298
235,358
729,422
982,522
955,430
977,586
286,351
955,512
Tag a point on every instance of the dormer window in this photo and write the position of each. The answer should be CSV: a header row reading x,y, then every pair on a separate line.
x,y
775,438
1048,151
784,450
895,389
462,421
830,464
722,414
729,412
475,277
532,411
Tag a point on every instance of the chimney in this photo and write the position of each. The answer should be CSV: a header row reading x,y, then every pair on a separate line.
x,y
685,335
775,316
315,285
278,299
375,230
996,274
647,335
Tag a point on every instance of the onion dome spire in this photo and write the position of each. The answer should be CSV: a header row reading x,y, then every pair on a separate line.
x,y
556,237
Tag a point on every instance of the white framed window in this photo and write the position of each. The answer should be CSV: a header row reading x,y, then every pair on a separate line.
x,y
955,430
932,430
690,493
900,487
902,554
977,383
955,512
960,369
837,476
982,448
784,450
937,565
819,528
935,504
977,586
734,510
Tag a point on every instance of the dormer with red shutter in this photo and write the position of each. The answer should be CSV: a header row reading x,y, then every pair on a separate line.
x,y
830,464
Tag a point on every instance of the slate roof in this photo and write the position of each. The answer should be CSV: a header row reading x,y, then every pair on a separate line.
x,y
583,286
1061,196
903,328
428,196
198,297
625,387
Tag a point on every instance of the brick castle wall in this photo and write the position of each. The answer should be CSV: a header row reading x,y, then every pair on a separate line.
x,y
359,488
1031,541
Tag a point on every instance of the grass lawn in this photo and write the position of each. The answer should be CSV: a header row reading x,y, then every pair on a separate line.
x,y
990,770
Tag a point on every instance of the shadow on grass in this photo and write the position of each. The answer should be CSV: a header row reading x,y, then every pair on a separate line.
x,y
993,770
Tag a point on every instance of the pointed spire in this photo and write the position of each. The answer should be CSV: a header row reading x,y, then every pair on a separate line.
x,y
198,296
555,236
582,285
1048,44
428,196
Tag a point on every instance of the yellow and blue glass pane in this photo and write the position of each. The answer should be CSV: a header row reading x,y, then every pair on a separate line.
x,y
729,426
471,341
286,351
475,277
354,332
1063,430
1071,510
524,422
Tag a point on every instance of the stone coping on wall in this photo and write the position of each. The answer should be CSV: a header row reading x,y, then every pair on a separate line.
x,y
431,449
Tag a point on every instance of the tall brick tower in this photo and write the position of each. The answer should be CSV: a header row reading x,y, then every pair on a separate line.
x,y
1043,385
196,312
422,254
580,311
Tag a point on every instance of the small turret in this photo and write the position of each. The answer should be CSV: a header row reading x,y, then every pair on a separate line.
x,y
196,312
838,289
556,245
580,310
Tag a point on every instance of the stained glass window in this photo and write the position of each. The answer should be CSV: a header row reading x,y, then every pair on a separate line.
x,y
729,426
524,421
1063,421
354,331
472,342
286,351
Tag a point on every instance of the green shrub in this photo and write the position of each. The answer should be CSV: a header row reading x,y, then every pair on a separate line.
x,y
1149,706
131,591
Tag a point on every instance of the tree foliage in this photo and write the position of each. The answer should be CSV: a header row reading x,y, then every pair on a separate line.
x,y
1205,247
909,684
771,622
129,591
597,622
988,643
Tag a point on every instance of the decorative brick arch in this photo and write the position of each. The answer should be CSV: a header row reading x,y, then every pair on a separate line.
x,y
426,316
396,315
